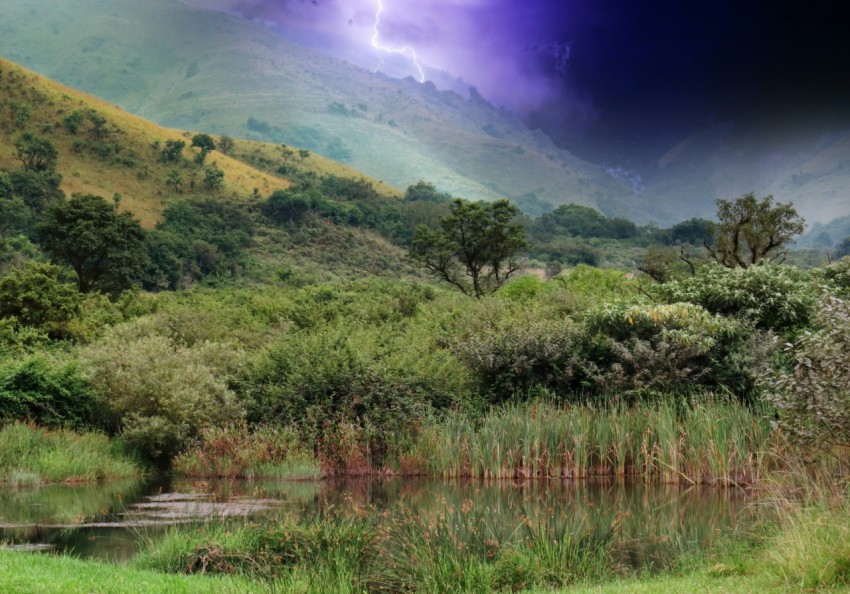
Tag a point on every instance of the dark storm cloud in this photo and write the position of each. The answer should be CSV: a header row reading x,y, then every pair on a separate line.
x,y
505,48
603,71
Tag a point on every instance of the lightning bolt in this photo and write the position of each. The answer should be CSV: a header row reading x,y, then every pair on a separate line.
x,y
405,51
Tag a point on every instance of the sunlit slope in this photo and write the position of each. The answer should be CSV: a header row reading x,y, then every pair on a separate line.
x,y
193,69
136,171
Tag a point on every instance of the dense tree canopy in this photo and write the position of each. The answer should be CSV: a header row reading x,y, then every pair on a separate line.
x,y
426,191
35,296
582,221
104,247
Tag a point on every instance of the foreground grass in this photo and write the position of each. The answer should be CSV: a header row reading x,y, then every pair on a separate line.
x,y
33,573
696,582
31,456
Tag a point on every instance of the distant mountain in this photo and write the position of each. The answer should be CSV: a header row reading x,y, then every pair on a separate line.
x,y
188,68
808,168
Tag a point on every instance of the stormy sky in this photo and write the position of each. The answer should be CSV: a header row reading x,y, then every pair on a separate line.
x,y
603,74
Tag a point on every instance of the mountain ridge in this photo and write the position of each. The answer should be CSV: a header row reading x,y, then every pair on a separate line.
x,y
217,73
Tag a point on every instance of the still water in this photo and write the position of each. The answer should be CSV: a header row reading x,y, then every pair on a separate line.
x,y
112,520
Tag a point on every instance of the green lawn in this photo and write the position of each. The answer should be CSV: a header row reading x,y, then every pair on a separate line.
x,y
35,573
697,582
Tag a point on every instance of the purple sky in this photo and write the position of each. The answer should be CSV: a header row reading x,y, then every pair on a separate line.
x,y
502,47
603,75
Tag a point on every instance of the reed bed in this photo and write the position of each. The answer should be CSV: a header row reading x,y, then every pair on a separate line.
x,y
454,549
717,443
236,452
32,456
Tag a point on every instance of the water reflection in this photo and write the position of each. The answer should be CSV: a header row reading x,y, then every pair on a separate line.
x,y
111,519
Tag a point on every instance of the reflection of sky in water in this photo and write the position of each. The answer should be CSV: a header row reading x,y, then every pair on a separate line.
x,y
109,520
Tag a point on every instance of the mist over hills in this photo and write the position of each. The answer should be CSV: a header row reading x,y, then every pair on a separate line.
x,y
185,67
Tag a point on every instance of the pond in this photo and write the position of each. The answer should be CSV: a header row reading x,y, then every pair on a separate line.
x,y
112,520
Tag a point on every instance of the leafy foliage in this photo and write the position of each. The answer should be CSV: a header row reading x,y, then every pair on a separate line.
x,y
158,392
779,298
751,231
198,237
582,221
813,397
205,143
35,296
36,154
172,151
48,393
476,247
105,248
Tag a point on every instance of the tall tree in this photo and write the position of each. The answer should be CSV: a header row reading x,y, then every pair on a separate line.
x,y
750,231
104,247
475,248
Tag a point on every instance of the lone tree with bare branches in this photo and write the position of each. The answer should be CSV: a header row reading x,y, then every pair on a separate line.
x,y
475,248
750,231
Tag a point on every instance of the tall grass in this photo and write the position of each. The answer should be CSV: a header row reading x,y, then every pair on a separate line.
x,y
719,443
331,548
234,452
456,549
810,501
30,455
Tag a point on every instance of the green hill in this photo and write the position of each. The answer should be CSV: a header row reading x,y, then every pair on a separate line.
x,y
107,152
188,68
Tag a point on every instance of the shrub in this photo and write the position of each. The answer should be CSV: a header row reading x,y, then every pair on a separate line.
x,y
48,393
778,298
511,348
813,396
35,297
837,277
656,347
160,393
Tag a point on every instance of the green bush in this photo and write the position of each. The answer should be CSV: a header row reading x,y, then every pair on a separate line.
x,y
813,395
664,348
50,393
837,277
779,298
160,394
35,297
327,382
511,347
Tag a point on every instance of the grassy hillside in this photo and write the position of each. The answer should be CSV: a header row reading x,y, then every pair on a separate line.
x,y
132,166
189,68
126,159
808,169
